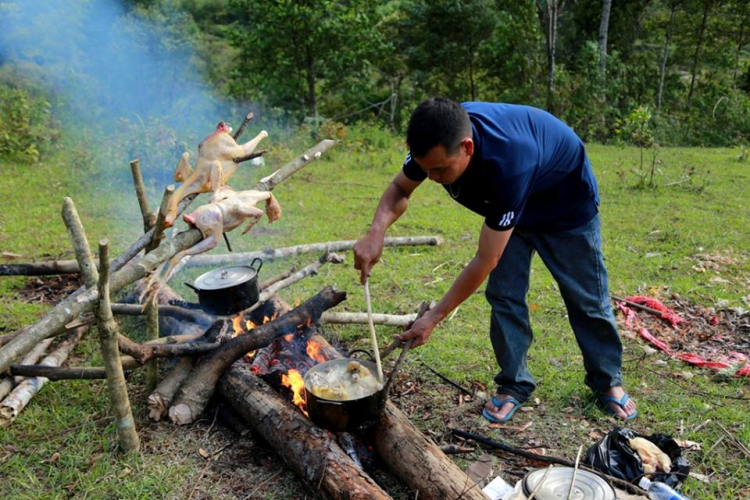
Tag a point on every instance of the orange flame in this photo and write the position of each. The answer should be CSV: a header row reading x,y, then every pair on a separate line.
x,y
314,351
293,380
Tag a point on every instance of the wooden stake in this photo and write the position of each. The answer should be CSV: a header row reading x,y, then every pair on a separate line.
x,y
108,332
248,118
80,243
140,192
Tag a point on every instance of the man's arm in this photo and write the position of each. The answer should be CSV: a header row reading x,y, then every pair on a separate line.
x,y
392,205
491,247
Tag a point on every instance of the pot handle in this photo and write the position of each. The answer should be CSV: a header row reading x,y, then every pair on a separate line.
x,y
189,285
257,271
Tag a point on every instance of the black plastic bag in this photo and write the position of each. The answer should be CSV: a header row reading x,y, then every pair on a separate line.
x,y
614,456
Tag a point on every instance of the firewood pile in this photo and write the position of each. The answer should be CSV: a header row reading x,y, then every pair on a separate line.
x,y
254,359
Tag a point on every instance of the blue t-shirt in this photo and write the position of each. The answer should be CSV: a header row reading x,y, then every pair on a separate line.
x,y
528,170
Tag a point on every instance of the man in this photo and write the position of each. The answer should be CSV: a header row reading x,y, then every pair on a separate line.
x,y
528,175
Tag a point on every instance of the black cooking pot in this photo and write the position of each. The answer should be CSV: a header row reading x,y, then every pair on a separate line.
x,y
228,290
350,415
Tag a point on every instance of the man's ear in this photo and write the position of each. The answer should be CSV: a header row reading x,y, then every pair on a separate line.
x,y
468,145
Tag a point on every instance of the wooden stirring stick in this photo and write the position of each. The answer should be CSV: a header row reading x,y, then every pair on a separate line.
x,y
373,338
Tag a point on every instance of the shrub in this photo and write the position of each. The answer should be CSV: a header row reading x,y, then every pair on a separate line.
x,y
25,124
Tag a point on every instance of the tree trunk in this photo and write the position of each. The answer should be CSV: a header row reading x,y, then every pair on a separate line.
x,y
548,11
310,62
665,56
603,31
698,46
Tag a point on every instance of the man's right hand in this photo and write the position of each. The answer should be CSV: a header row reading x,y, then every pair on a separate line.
x,y
367,252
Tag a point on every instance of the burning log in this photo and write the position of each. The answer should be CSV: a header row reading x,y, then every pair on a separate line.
x,y
417,460
282,253
22,394
312,453
197,389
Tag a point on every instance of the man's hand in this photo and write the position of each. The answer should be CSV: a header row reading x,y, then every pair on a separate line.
x,y
420,331
367,252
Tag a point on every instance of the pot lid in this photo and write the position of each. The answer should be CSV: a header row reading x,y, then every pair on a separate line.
x,y
588,486
225,277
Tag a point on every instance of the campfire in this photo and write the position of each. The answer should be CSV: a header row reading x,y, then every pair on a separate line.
x,y
283,364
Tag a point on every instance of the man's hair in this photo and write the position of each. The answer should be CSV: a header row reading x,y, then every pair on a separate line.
x,y
437,121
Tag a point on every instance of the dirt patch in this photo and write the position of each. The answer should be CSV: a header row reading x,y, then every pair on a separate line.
x,y
49,289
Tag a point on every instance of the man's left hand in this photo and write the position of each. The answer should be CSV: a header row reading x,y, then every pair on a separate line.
x,y
420,331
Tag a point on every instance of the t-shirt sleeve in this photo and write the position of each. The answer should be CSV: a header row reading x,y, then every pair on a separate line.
x,y
412,170
511,193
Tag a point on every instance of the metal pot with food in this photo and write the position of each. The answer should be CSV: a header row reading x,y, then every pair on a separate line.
x,y
228,290
344,394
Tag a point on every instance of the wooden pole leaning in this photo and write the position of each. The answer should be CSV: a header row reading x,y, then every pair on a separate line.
x,y
108,333
152,308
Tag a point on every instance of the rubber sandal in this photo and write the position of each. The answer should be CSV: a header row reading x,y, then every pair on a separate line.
x,y
499,404
605,400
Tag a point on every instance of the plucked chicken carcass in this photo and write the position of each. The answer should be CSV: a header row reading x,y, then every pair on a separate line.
x,y
213,169
227,210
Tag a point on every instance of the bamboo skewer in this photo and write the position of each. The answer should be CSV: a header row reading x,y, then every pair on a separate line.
x,y
373,337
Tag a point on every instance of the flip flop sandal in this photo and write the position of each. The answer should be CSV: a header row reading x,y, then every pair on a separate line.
x,y
605,400
499,404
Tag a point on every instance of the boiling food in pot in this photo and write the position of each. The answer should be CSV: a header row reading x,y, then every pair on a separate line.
x,y
344,383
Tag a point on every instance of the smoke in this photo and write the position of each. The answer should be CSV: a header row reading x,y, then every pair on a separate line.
x,y
116,72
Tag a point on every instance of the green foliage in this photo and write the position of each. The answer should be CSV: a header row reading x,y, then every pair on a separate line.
x,y
26,126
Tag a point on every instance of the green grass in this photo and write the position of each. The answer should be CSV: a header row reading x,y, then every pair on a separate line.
x,y
650,236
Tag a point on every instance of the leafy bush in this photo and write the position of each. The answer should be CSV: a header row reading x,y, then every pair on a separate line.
x,y
25,124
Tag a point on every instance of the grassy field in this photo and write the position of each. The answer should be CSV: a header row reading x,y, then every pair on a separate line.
x,y
651,238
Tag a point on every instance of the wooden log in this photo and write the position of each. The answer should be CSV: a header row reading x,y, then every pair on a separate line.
x,y
160,400
26,390
309,270
417,460
10,336
108,333
32,357
80,243
248,118
54,373
152,308
312,453
328,317
195,392
149,217
282,253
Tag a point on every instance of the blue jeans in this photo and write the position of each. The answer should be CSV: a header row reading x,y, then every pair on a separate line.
x,y
574,257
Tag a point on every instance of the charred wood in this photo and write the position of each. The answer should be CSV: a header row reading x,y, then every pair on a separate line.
x,y
194,394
